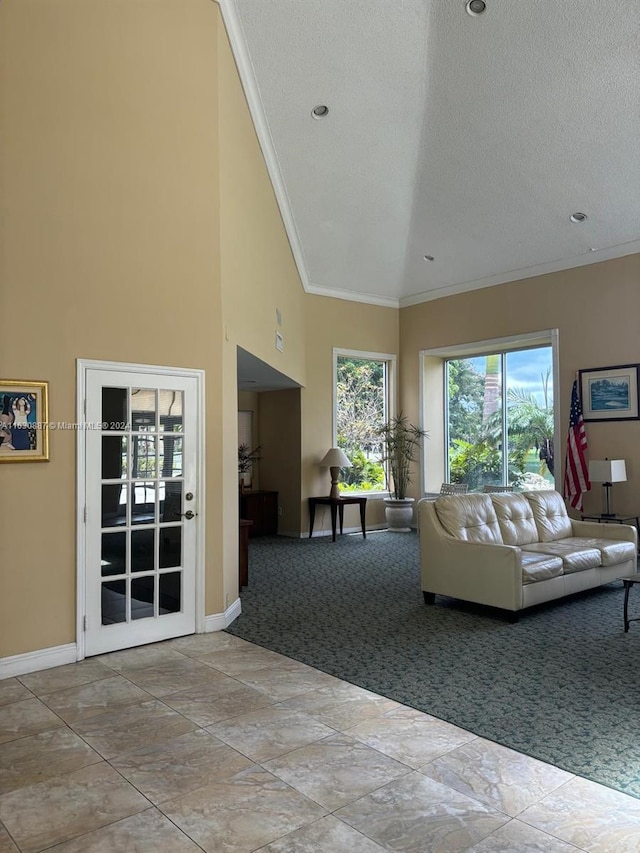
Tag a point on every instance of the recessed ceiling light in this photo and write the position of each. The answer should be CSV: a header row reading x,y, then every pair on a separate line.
x,y
429,258
321,111
578,217
476,7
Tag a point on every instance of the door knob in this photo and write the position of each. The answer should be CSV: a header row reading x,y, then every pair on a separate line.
x,y
189,514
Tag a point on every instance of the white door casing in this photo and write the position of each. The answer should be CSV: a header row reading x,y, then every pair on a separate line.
x,y
140,504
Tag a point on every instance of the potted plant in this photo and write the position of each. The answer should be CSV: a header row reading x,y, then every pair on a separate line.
x,y
246,458
402,442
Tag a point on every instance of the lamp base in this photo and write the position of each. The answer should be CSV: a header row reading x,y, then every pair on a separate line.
x,y
335,473
607,510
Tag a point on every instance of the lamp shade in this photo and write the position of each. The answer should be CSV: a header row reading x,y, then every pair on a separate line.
x,y
336,458
607,471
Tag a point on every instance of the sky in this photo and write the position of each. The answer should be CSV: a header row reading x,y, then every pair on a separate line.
x,y
525,370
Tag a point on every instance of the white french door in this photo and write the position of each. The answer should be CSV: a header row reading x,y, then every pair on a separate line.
x,y
141,498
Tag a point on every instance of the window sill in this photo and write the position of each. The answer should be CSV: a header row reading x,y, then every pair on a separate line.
x,y
365,494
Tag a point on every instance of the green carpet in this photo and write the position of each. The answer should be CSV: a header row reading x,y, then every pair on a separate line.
x,y
562,685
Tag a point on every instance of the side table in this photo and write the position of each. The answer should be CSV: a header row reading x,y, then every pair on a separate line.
x,y
628,583
337,506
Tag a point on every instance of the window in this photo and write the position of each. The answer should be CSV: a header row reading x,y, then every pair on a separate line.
x,y
489,409
363,402
500,419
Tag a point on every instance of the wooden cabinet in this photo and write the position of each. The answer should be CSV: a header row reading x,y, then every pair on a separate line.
x,y
243,553
262,509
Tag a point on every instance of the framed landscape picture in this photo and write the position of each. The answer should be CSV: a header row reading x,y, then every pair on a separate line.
x,y
610,393
24,416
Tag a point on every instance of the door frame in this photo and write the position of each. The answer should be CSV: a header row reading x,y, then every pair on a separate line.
x,y
82,366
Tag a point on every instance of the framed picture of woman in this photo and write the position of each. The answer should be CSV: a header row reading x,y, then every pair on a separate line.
x,y
24,421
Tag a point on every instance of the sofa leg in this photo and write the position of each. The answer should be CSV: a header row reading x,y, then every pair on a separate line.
x,y
429,597
513,616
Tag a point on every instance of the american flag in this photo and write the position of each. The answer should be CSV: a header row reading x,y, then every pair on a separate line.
x,y
576,475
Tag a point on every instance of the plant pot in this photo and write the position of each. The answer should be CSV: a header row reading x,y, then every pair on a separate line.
x,y
399,514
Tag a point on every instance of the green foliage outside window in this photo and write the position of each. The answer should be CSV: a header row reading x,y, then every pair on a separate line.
x,y
466,400
364,476
480,463
360,411
476,438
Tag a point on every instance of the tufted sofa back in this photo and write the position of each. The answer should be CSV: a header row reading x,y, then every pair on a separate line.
x,y
471,518
515,517
550,514
509,519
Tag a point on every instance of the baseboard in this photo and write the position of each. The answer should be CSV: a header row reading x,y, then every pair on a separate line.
x,y
38,659
220,621
323,532
61,655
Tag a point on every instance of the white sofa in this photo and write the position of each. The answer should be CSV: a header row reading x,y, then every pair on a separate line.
x,y
516,550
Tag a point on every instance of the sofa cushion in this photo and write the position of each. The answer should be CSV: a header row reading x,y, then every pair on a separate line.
x,y
515,518
550,514
540,567
573,559
612,552
470,518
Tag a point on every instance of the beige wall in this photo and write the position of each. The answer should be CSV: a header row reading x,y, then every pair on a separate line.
x,y
138,224
346,325
596,310
258,276
109,238
280,468
258,271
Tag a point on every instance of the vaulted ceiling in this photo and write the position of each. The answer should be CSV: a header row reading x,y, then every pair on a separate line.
x,y
468,139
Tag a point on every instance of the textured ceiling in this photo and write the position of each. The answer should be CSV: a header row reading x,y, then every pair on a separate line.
x,y
471,139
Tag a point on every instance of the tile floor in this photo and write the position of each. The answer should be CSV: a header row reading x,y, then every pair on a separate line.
x,y
211,743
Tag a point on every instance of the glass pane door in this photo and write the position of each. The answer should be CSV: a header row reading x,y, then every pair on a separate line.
x,y
141,536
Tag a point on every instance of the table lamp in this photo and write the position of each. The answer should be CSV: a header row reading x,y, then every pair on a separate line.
x,y
335,459
607,472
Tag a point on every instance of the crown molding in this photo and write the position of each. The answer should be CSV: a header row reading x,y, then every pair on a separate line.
x,y
354,296
593,256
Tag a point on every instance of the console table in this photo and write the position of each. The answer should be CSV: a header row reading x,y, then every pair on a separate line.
x,y
337,506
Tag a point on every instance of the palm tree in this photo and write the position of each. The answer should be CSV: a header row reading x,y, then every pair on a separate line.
x,y
530,425
491,387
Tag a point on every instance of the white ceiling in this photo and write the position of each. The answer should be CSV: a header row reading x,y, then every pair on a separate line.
x,y
472,139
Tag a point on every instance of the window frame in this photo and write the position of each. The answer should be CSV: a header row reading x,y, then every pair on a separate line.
x,y
390,362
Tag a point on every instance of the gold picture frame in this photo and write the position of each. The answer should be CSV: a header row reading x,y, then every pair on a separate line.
x,y
24,421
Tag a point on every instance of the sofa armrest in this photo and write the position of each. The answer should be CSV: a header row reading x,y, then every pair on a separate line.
x,y
598,530
472,571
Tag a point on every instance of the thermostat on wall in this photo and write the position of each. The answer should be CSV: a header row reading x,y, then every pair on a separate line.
x,y
279,342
